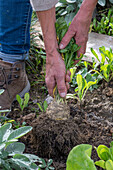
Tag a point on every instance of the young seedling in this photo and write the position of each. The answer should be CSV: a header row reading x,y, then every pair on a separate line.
x,y
106,70
43,106
82,88
86,73
23,102
105,26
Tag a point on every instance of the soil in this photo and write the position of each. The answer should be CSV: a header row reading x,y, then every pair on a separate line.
x,y
54,135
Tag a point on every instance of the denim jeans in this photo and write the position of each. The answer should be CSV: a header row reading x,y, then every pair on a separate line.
x,y
15,19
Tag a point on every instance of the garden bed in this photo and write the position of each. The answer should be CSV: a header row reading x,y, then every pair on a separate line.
x,y
53,138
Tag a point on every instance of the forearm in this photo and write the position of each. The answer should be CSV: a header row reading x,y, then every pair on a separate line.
x,y
47,20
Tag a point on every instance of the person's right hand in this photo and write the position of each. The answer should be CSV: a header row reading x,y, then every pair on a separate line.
x,y
56,75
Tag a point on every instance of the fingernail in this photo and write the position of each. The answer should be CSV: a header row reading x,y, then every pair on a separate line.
x,y
61,46
63,94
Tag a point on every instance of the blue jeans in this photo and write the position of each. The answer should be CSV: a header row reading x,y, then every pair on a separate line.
x,y
15,19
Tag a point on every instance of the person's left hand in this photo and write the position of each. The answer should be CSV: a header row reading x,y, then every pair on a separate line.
x,y
79,30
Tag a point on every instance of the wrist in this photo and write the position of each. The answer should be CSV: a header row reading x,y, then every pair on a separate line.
x,y
87,8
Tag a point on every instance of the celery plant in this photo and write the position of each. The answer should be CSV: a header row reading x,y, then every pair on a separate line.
x,y
69,54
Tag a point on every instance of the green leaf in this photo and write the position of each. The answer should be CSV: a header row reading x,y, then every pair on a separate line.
x,y
11,141
14,165
42,166
111,1
40,107
21,157
79,158
69,17
50,161
72,70
3,111
84,85
20,101
103,152
100,163
4,132
32,157
19,132
6,165
90,83
109,165
52,168
2,146
79,82
15,148
22,164
95,54
26,100
45,105
70,8
34,166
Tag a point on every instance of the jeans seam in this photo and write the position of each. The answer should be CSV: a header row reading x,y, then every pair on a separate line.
x,y
27,22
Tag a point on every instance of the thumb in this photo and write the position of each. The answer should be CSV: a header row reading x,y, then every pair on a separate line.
x,y
61,87
66,39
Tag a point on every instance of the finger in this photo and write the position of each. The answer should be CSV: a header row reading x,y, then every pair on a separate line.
x,y
61,86
68,79
82,50
50,83
69,73
66,39
67,85
82,43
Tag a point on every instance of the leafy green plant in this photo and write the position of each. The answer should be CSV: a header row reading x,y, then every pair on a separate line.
x,y
46,166
23,102
105,70
69,54
11,151
103,2
79,158
43,106
67,9
106,156
105,26
84,68
82,88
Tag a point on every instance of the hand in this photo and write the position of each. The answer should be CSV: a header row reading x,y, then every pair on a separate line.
x,y
56,74
80,26
79,30
55,67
